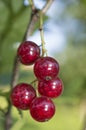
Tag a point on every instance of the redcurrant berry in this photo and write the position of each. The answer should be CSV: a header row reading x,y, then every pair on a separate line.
x,y
46,68
42,109
51,88
22,95
28,52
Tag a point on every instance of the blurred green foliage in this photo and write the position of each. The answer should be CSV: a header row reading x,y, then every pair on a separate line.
x,y
73,59
73,71
14,17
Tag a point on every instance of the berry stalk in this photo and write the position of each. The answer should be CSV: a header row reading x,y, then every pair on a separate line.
x,y
44,51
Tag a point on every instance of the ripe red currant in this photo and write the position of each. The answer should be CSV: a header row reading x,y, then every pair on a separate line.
x,y
46,68
22,95
51,88
42,109
28,52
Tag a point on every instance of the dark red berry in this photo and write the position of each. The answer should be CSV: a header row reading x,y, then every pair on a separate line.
x,y
28,52
46,68
51,88
22,95
42,109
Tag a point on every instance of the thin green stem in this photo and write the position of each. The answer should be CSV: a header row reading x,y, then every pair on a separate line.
x,y
47,6
32,4
44,51
35,80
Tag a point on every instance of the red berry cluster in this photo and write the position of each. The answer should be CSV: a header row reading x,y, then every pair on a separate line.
x,y
46,69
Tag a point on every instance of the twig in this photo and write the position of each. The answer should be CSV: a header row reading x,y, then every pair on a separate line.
x,y
47,6
8,118
32,4
15,74
35,80
30,27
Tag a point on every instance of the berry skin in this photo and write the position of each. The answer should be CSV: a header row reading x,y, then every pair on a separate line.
x,y
46,68
42,109
28,52
51,88
22,95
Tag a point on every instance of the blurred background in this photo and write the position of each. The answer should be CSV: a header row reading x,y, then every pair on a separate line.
x,y
65,37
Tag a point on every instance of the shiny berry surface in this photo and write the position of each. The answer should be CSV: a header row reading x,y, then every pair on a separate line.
x,y
42,109
22,95
28,52
51,88
46,68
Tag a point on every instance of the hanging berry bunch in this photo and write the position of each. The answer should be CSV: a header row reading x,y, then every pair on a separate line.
x,y
46,69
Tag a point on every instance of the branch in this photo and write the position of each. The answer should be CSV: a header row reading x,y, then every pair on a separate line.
x,y
8,120
15,74
30,27
47,6
32,4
